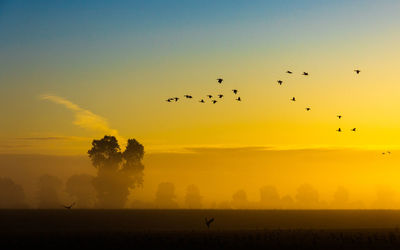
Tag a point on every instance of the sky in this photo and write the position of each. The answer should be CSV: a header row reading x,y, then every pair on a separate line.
x,y
73,71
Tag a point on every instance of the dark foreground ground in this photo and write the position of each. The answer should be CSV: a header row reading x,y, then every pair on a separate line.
x,y
185,229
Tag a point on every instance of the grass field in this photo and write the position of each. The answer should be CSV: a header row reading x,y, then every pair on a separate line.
x,y
185,229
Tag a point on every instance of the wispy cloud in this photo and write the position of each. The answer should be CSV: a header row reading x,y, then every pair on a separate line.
x,y
54,138
85,118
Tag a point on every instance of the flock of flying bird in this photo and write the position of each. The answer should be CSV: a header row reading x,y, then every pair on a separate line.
x,y
213,100
235,91
293,99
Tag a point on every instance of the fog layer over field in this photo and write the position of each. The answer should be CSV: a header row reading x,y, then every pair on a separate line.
x,y
239,178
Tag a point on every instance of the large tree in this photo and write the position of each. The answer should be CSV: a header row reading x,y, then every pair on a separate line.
x,y
117,171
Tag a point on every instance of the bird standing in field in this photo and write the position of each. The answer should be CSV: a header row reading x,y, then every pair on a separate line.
x,y
220,80
280,82
70,206
235,91
357,71
305,73
289,72
208,221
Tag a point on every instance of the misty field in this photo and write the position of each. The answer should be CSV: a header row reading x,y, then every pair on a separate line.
x,y
185,229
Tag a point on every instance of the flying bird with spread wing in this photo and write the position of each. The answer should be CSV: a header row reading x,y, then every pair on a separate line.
x,y
238,99
339,130
220,80
353,129
202,101
280,82
339,116
357,71
305,73
208,221
235,91
188,96
308,109
210,96
293,99
70,206
289,72
220,95
214,101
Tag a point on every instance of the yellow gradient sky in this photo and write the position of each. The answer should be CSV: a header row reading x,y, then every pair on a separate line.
x,y
69,74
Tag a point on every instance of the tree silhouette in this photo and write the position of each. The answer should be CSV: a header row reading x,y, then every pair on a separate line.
x,y
193,198
165,196
307,197
117,171
11,194
269,197
239,200
49,190
80,187
340,198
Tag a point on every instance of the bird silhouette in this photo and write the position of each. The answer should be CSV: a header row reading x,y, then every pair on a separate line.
x,y
188,96
280,82
235,91
339,116
70,206
308,109
353,129
238,99
214,101
293,99
209,96
389,152
169,100
339,130
305,73
208,221
220,95
202,101
289,72
220,80
357,71
176,99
